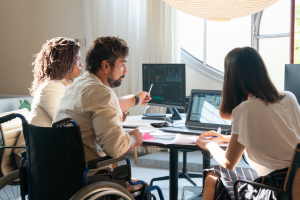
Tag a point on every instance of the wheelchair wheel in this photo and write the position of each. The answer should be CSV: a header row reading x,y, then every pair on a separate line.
x,y
103,191
10,186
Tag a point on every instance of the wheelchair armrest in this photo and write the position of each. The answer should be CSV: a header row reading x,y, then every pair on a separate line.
x,y
23,154
7,147
103,161
280,191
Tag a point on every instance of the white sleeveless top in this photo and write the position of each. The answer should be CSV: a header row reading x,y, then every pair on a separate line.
x,y
268,132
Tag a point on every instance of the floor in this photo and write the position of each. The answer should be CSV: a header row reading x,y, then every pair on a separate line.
x,y
140,171
148,167
157,165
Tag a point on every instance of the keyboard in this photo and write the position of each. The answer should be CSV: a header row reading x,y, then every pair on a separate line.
x,y
192,130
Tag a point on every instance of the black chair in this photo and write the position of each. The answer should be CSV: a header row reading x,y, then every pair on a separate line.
x,y
291,189
56,168
183,173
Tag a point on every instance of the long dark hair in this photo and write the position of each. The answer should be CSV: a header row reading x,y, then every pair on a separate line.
x,y
55,61
245,73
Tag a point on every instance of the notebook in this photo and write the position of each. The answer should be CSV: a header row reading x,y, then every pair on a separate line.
x,y
203,114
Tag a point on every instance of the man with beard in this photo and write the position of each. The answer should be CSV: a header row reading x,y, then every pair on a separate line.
x,y
93,104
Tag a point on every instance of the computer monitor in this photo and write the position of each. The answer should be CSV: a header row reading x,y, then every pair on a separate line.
x,y
291,79
168,88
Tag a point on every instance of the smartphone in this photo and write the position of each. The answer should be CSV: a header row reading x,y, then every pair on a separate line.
x,y
132,127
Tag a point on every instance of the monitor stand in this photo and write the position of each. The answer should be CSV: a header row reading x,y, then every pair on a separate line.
x,y
175,116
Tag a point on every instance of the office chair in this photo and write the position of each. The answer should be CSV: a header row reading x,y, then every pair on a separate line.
x,y
10,133
291,188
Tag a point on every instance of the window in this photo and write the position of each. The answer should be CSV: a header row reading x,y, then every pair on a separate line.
x,y
221,37
273,40
210,41
297,33
192,32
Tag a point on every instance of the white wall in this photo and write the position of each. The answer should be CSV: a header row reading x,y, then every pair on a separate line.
x,y
11,102
25,26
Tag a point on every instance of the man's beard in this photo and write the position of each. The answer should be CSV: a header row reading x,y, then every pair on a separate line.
x,y
114,83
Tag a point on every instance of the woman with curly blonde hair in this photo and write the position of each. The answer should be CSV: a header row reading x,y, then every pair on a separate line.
x,y
55,67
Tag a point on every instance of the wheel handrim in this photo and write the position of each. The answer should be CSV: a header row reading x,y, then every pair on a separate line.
x,y
110,192
104,190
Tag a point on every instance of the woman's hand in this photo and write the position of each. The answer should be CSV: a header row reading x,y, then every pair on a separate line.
x,y
204,143
125,115
208,135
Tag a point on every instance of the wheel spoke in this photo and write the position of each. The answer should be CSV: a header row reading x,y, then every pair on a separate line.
x,y
5,193
18,189
12,189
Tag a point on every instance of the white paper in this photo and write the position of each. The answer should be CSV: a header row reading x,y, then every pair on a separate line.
x,y
180,139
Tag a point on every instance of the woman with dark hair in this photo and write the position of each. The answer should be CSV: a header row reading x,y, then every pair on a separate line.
x,y
55,67
265,126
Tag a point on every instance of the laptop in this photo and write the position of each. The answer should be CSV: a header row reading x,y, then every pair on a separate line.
x,y
203,114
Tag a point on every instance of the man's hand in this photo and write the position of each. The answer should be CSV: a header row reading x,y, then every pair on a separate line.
x,y
144,98
137,136
125,115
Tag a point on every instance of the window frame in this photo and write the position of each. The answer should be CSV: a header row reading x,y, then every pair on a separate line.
x,y
217,75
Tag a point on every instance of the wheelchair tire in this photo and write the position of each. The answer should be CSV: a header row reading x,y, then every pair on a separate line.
x,y
5,180
97,190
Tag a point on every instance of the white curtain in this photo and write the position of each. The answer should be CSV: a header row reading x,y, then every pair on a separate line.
x,y
148,26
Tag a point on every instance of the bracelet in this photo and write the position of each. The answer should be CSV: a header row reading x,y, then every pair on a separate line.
x,y
137,100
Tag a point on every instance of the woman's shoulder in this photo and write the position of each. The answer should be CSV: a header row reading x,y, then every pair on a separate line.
x,y
289,99
288,94
54,86
257,105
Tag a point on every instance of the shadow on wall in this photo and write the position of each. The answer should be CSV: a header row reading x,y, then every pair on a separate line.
x,y
12,102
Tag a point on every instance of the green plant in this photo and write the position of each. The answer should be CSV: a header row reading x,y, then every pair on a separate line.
x,y
25,104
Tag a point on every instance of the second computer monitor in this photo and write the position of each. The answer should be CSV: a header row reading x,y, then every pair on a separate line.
x,y
168,84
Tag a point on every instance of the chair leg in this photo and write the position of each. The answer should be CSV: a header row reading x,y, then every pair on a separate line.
x,y
146,150
186,176
135,155
195,175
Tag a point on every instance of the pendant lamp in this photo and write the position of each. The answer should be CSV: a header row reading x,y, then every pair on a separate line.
x,y
220,10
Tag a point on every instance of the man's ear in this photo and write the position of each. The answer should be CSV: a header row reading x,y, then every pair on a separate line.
x,y
105,66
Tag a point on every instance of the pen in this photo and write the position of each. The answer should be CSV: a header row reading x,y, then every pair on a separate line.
x,y
150,88
209,137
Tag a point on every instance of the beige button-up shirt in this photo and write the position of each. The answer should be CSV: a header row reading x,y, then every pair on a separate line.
x,y
96,109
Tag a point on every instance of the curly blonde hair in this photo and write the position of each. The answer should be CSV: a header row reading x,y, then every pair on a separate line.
x,y
54,62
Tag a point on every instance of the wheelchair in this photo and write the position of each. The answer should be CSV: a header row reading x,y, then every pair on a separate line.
x,y
53,168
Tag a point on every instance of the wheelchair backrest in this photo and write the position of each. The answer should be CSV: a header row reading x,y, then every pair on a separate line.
x,y
10,132
292,182
55,161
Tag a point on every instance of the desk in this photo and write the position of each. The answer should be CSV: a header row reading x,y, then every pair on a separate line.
x,y
173,183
